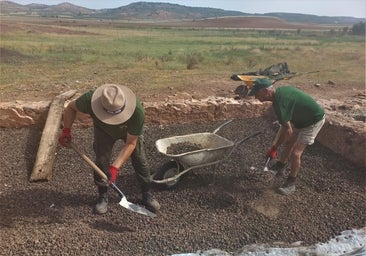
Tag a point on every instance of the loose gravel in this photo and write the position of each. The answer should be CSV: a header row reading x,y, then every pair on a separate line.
x,y
226,206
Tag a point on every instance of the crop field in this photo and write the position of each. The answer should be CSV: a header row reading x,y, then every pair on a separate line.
x,y
55,55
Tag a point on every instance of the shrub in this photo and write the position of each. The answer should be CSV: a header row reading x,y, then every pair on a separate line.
x,y
358,29
193,59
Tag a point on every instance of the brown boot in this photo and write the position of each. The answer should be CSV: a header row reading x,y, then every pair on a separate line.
x,y
288,187
150,203
102,203
278,168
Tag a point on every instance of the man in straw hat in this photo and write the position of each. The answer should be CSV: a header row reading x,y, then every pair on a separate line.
x,y
301,119
117,114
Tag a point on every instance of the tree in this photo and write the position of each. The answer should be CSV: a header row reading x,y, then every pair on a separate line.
x,y
358,29
344,30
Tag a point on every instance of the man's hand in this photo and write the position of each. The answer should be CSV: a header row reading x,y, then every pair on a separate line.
x,y
65,138
272,153
113,171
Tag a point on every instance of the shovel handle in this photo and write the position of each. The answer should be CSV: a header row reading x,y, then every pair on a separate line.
x,y
90,162
266,164
115,188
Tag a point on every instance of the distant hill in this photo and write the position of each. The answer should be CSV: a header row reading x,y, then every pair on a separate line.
x,y
63,9
164,11
147,11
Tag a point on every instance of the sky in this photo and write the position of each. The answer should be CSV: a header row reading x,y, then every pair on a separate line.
x,y
352,8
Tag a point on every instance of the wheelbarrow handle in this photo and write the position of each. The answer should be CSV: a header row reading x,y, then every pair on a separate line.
x,y
222,125
248,137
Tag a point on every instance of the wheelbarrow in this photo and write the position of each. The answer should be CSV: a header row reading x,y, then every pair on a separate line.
x,y
213,149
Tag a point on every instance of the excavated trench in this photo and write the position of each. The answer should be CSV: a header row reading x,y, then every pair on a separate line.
x,y
227,205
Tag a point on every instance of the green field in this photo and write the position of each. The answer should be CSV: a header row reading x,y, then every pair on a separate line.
x,y
51,56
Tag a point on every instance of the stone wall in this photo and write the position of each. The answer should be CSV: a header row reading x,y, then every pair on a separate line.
x,y
21,113
342,134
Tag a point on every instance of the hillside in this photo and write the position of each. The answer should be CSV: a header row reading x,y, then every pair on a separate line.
x,y
146,11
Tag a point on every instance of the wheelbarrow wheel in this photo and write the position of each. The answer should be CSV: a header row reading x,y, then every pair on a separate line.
x,y
241,91
168,170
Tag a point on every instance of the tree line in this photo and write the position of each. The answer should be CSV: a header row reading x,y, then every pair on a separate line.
x,y
358,29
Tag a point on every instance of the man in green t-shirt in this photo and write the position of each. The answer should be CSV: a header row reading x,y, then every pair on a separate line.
x,y
117,114
301,119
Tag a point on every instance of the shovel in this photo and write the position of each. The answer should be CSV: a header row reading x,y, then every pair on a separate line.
x,y
266,165
124,203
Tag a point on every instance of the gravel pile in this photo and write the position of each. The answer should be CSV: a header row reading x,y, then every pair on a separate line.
x,y
226,206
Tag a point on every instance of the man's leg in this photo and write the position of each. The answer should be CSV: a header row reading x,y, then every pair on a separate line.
x,y
280,165
295,158
142,170
306,136
295,162
288,148
103,145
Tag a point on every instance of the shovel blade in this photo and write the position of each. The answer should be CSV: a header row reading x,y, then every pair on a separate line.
x,y
135,208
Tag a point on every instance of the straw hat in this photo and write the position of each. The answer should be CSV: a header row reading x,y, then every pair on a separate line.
x,y
113,104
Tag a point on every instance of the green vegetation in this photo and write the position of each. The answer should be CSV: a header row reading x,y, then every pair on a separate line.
x,y
358,29
87,56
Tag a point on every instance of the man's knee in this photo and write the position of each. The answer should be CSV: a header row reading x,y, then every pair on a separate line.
x,y
297,151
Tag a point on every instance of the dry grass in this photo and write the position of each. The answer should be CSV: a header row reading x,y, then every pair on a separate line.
x,y
41,58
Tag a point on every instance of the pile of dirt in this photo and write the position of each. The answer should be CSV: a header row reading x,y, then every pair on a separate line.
x,y
226,206
183,147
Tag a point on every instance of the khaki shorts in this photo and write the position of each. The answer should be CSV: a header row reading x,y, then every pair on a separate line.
x,y
308,134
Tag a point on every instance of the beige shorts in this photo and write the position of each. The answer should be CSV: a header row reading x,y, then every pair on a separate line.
x,y
308,134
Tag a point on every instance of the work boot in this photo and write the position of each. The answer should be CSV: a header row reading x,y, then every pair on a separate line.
x,y
278,168
102,204
288,187
150,203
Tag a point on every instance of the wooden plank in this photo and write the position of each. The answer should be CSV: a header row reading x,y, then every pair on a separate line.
x,y
46,154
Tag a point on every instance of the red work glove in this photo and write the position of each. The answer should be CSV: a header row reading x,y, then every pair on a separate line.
x,y
113,171
272,153
65,138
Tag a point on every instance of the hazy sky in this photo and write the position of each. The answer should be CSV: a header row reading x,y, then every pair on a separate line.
x,y
353,8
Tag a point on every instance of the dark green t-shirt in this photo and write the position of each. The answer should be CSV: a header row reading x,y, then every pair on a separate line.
x,y
133,126
292,104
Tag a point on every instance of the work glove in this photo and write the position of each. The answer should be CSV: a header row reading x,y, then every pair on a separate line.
x,y
272,153
65,138
112,174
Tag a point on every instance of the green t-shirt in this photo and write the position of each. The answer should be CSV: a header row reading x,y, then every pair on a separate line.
x,y
291,104
133,126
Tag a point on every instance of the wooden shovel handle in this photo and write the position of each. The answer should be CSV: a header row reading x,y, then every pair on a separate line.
x,y
90,162
278,134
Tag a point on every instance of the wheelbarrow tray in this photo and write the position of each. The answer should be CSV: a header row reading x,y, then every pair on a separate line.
x,y
214,148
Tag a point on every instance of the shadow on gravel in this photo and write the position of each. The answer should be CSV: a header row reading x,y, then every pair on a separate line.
x,y
110,227
41,206
31,148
